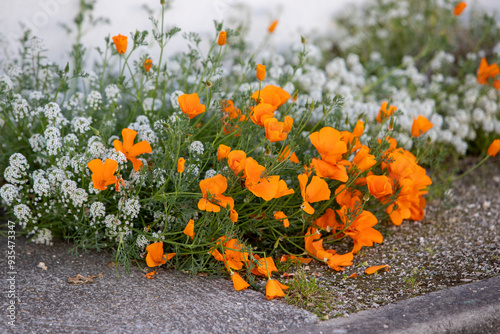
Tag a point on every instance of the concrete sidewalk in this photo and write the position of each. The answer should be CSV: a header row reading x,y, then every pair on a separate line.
x,y
178,303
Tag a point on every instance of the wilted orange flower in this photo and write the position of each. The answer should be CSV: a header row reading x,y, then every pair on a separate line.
x,y
264,266
190,105
459,8
272,26
379,185
189,229
274,289
494,148
316,191
488,71
273,95
274,130
327,221
212,189
233,215
222,38
420,126
282,217
295,259
131,150
155,254
261,112
261,72
181,165
288,154
235,257
374,269
147,64
120,43
361,229
103,173
384,113
232,111
236,160
238,282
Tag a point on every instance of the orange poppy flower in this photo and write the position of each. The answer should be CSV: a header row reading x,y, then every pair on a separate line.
x,y
286,153
131,150
234,254
103,173
363,159
212,189
181,165
384,113
327,221
399,210
120,43
266,187
223,152
155,254
374,269
189,229
236,160
494,148
347,197
316,191
327,142
486,71
233,215
272,95
358,129
229,109
272,26
420,126
222,38
274,289
295,259
261,72
280,215
332,171
459,8
264,266
147,64
151,275
261,112
288,124
361,229
238,282
274,130
379,185
190,105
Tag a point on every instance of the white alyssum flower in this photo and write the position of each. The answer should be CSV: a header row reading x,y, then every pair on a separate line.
x,y
112,92
97,211
43,237
23,214
9,194
196,148
94,99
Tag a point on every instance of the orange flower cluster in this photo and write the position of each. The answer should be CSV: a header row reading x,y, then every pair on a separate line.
x,y
384,113
485,72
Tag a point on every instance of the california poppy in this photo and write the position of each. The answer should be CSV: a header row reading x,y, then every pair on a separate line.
x,y
147,64
361,229
261,72
327,142
189,229
236,160
494,148
358,129
190,105
420,126
274,289
485,72
272,26
261,112
222,38
384,113
459,8
379,185
233,215
363,159
280,215
338,261
287,153
234,254
264,267
155,254
274,130
212,189
316,191
120,43
295,259
131,150
103,173
181,165
272,95
238,282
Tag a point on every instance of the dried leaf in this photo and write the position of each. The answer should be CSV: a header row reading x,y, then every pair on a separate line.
x,y
80,279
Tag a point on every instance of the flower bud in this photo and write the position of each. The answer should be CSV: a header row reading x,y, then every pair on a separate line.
x,y
222,38
261,72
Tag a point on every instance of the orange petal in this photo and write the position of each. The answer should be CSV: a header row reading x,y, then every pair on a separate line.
x,y
189,229
317,190
374,269
128,138
140,148
238,282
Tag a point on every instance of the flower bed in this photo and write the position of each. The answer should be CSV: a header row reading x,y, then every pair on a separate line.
x,y
222,161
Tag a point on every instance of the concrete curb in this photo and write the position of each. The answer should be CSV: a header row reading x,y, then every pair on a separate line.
x,y
469,308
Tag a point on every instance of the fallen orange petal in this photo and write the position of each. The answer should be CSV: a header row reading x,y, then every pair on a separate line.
x,y
375,269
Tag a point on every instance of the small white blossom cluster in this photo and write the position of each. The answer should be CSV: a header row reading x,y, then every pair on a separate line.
x,y
23,214
43,237
94,99
144,131
112,93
